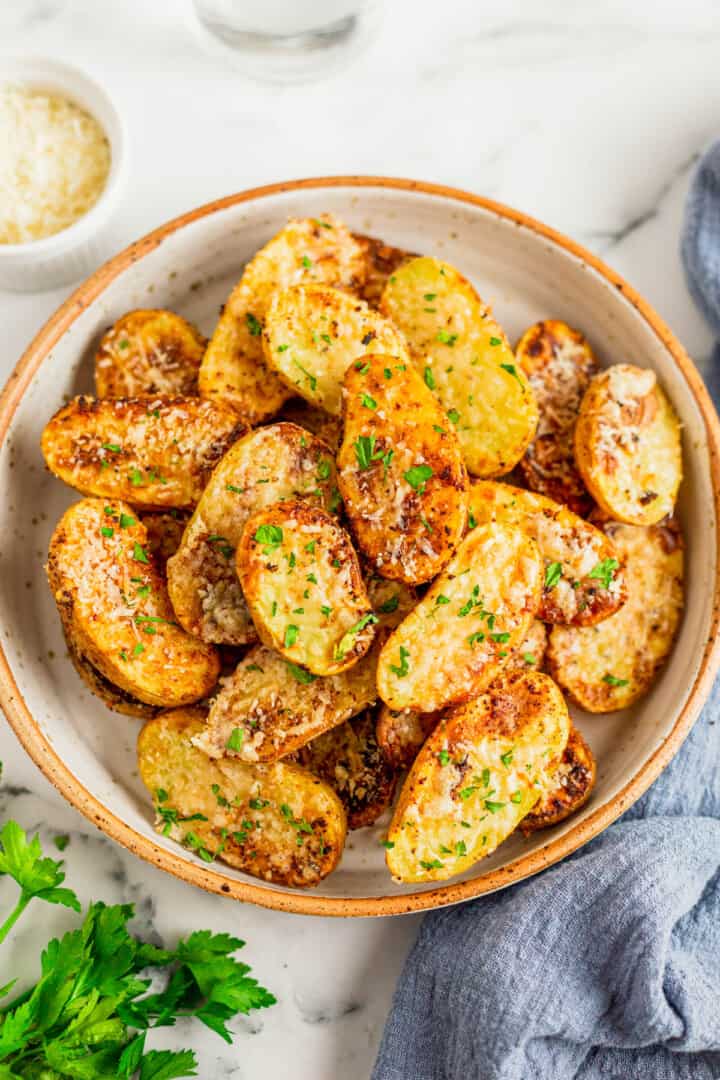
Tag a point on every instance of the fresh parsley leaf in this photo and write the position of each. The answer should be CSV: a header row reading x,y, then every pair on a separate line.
x,y
271,536
38,877
604,572
368,402
553,573
612,680
402,669
429,378
253,324
300,674
417,477
348,639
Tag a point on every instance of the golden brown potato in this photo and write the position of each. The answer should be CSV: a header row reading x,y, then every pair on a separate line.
x,y
268,465
627,445
573,782
481,770
165,529
311,250
149,352
307,416
559,364
313,334
153,452
612,665
465,359
302,582
530,653
401,734
584,578
269,708
381,261
391,600
115,608
472,618
111,696
349,759
276,822
400,471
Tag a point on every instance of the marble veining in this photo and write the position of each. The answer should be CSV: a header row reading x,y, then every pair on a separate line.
x,y
590,117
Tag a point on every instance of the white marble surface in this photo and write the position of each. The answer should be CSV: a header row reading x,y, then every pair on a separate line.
x,y
588,116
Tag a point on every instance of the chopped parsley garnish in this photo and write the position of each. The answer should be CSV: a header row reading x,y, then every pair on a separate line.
x,y
516,797
389,844
612,680
417,477
310,548
126,521
460,848
553,573
604,572
235,490
502,638
269,535
446,338
426,524
387,373
107,531
511,370
136,478
429,378
368,402
495,341
346,641
366,453
310,378
476,637
443,757
441,599
139,554
453,416
139,649
389,605
326,610
254,325
506,758
307,262
431,864
291,635
258,804
323,469
529,658
236,739
283,348
299,674
112,447
402,669
429,296
494,807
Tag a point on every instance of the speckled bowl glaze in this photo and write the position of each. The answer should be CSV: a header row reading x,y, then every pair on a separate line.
x,y
528,272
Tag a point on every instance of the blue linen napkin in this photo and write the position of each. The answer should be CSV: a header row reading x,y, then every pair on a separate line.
x,y
607,966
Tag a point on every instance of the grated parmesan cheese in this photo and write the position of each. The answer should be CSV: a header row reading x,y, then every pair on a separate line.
x,y
54,165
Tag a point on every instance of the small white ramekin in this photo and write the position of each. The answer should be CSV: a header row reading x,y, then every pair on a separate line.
x,y
77,250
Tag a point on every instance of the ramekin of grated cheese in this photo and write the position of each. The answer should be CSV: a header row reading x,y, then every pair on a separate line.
x,y
62,170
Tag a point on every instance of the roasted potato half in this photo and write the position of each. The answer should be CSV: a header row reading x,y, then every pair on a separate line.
x,y
314,333
559,364
472,618
302,582
573,780
276,822
151,452
627,445
612,665
269,708
307,416
401,734
381,261
115,609
482,769
165,530
349,759
311,250
400,470
465,359
149,352
584,578
268,465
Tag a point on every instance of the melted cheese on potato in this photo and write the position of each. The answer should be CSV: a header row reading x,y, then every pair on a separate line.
x,y
149,352
474,615
313,334
276,822
479,773
465,358
311,250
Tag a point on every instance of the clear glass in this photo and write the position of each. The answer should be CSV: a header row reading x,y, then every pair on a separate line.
x,y
288,40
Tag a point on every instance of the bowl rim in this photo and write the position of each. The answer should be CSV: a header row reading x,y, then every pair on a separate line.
x,y
51,764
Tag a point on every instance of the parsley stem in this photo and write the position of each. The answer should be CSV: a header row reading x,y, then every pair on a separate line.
x,y
15,914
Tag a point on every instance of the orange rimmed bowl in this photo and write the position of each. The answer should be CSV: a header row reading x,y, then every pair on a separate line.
x,y
527,271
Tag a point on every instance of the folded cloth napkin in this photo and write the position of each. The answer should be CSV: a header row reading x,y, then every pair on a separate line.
x,y
607,966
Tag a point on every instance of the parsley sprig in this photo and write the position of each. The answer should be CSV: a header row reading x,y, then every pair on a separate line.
x,y
88,1015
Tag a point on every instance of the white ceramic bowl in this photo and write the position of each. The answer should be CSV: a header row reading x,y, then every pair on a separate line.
x,y
73,252
528,272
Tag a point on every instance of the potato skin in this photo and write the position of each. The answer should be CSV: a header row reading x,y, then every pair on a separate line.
x,y
559,364
115,608
381,261
627,445
455,642
573,782
279,707
276,822
151,452
313,334
304,589
460,349
406,526
349,759
268,465
585,555
149,352
318,250
484,765
612,665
